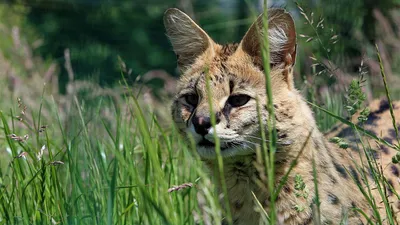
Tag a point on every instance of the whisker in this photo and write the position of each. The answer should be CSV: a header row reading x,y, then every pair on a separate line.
x,y
252,144
279,142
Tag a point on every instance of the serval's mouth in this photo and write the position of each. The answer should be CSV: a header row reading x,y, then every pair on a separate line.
x,y
223,145
206,149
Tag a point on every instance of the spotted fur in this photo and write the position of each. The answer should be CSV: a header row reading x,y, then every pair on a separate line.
x,y
236,70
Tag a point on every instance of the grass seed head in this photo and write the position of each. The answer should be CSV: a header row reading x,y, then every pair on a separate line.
x,y
180,187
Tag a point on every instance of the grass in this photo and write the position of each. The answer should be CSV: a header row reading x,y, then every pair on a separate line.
x,y
127,170
100,172
268,153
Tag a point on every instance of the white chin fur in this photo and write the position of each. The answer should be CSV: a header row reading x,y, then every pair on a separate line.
x,y
210,153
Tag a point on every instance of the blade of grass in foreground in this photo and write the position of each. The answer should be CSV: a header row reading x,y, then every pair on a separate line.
x,y
218,151
379,184
268,152
272,136
387,94
111,194
260,207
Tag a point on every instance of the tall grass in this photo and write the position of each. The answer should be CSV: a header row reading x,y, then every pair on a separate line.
x,y
269,154
101,172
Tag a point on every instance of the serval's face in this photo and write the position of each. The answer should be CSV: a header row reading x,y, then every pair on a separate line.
x,y
235,93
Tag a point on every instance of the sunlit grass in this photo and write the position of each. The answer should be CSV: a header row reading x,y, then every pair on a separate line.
x,y
102,172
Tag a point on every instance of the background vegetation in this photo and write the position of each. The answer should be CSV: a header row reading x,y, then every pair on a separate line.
x,y
97,33
86,135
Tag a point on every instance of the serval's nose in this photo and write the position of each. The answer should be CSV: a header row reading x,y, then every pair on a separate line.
x,y
202,124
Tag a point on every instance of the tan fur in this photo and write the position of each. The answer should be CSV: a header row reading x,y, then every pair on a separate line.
x,y
236,69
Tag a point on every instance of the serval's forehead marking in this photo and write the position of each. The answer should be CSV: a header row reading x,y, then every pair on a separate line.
x,y
227,50
218,64
229,70
216,68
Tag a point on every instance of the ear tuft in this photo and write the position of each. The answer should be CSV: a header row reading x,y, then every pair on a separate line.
x,y
281,36
187,38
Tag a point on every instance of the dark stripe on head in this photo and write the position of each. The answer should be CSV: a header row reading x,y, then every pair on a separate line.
x,y
226,111
231,86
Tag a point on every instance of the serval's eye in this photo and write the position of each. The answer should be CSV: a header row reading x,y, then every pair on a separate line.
x,y
238,100
192,99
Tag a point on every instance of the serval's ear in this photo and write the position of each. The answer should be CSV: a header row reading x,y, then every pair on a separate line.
x,y
188,39
281,36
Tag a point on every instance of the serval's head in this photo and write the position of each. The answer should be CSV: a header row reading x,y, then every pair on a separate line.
x,y
237,82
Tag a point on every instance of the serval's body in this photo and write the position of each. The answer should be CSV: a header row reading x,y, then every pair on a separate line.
x,y
237,81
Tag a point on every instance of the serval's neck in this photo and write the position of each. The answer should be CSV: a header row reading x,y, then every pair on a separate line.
x,y
295,203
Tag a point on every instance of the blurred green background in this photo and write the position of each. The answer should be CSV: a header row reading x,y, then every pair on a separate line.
x,y
97,32
335,38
